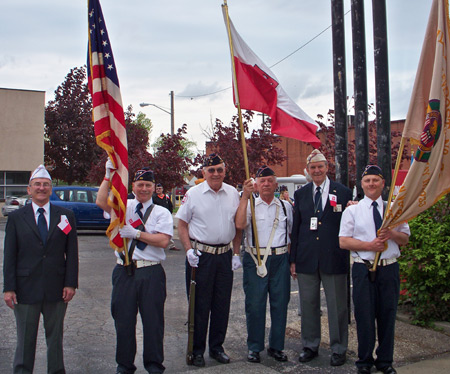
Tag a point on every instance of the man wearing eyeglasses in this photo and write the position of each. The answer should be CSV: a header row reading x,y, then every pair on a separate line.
x,y
375,300
206,229
316,258
40,270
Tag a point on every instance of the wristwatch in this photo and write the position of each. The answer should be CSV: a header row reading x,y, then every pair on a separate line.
x,y
138,234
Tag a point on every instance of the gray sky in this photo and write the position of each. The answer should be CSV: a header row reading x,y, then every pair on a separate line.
x,y
182,46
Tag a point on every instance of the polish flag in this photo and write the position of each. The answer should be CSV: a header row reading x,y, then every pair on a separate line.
x,y
260,90
64,225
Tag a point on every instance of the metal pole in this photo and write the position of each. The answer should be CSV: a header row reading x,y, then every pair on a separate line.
x,y
340,92
382,92
172,114
360,88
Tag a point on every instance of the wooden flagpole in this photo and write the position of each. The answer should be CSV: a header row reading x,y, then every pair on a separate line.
x,y
241,127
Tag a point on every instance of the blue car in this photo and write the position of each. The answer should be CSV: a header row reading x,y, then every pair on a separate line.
x,y
81,200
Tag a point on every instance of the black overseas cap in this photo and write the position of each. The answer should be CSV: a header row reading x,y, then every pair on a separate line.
x,y
372,170
212,160
264,171
144,174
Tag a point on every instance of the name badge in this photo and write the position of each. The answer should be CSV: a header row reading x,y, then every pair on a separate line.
x,y
337,208
313,223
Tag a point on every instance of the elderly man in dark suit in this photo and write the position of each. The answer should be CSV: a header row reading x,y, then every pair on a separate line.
x,y
316,258
40,272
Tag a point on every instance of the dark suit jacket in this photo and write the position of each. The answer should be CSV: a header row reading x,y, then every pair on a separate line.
x,y
312,250
34,271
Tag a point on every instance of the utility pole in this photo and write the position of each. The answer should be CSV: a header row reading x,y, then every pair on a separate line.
x,y
340,92
360,88
382,92
172,114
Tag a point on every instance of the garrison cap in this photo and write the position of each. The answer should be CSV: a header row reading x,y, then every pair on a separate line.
x,y
315,156
144,174
212,160
372,170
264,171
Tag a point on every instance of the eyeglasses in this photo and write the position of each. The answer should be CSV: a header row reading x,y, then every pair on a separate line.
x,y
213,170
39,184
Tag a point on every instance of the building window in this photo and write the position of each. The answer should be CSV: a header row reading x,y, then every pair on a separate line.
x,y
13,183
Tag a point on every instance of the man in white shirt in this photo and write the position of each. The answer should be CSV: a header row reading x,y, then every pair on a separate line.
x,y
374,300
149,228
206,224
274,223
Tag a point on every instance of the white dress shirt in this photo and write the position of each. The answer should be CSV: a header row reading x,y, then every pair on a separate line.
x,y
325,189
265,216
357,222
46,213
210,214
159,221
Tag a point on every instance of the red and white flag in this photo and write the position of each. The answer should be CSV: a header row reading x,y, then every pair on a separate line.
x,y
108,117
260,90
64,225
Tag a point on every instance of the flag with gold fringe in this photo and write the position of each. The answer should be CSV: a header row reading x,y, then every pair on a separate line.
x,y
427,124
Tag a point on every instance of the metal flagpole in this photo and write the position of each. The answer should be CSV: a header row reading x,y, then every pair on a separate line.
x,y
244,145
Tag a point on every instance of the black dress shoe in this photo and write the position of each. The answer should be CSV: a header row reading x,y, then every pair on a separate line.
x,y
198,361
307,355
221,357
338,359
364,370
277,355
253,357
388,370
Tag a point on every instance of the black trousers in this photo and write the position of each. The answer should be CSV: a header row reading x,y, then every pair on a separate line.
x,y
145,291
375,302
214,282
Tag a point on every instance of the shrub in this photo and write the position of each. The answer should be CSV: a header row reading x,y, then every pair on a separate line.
x,y
425,265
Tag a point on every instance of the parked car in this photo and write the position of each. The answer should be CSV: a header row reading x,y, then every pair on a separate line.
x,y
81,200
13,203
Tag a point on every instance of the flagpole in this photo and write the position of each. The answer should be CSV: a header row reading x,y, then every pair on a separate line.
x,y
241,127
391,193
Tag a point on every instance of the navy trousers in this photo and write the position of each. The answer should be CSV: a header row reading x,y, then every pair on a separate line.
x,y
375,302
145,291
214,282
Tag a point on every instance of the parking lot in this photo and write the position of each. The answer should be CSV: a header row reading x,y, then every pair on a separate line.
x,y
89,340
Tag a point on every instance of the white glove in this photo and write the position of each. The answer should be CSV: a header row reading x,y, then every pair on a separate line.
x,y
193,258
108,167
235,263
128,231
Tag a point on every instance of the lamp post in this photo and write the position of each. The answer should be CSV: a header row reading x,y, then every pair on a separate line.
x,y
172,112
172,128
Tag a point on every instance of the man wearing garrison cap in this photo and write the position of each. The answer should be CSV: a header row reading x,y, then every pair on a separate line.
x,y
148,228
40,270
375,300
273,223
316,258
206,228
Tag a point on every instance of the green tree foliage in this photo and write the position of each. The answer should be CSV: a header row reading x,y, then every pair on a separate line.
x,y
170,161
70,146
425,265
261,147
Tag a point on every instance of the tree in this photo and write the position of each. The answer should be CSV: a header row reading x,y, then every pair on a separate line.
x,y
261,147
69,145
170,161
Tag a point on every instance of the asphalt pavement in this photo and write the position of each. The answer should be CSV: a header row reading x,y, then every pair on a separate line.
x,y
89,340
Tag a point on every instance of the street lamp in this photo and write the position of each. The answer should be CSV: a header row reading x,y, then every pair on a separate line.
x,y
172,112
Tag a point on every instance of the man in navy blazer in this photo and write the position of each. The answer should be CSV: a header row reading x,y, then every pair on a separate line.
x,y
40,271
316,258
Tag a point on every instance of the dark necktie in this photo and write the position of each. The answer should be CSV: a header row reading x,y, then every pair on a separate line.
x,y
42,225
318,201
376,216
140,245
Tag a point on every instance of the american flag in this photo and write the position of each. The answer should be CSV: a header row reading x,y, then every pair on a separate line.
x,y
108,117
